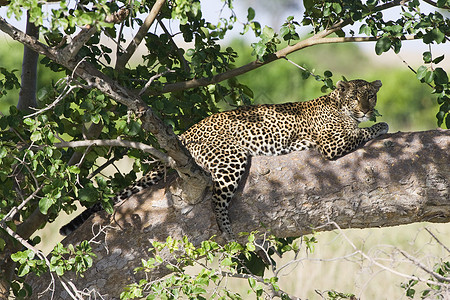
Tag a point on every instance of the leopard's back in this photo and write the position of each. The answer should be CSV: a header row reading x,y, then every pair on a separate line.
x,y
258,130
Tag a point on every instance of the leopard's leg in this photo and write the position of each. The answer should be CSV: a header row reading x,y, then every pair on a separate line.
x,y
226,169
335,143
147,180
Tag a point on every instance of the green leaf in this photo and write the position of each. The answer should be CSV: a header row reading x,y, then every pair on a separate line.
x,y
438,59
365,29
134,128
20,256
284,31
23,270
59,270
198,290
429,76
3,152
440,76
35,136
421,72
250,247
252,282
250,14
308,4
73,169
44,204
337,8
443,3
29,121
85,19
88,194
434,35
96,118
440,117
382,45
267,34
226,262
190,52
427,57
260,49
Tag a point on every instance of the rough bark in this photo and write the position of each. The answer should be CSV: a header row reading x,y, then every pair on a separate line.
x,y
27,94
398,179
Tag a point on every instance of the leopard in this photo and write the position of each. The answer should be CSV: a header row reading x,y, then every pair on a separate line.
x,y
223,143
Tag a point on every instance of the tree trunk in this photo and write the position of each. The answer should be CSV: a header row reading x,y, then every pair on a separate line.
x,y
401,178
28,85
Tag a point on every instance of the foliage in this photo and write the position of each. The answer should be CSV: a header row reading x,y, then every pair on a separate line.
x,y
8,82
37,175
432,291
217,262
78,258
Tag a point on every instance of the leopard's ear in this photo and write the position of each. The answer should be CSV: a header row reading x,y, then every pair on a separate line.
x,y
342,86
376,84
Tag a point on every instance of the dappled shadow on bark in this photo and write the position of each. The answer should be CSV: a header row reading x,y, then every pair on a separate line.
x,y
403,174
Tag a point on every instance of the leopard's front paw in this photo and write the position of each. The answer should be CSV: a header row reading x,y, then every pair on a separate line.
x,y
382,128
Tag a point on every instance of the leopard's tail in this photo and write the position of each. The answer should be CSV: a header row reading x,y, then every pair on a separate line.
x,y
80,219
150,179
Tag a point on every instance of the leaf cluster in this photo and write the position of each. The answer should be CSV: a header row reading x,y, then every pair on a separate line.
x,y
432,291
217,262
63,259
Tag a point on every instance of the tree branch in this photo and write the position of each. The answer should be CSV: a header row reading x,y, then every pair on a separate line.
x,y
317,39
400,179
183,162
118,143
432,3
125,57
71,50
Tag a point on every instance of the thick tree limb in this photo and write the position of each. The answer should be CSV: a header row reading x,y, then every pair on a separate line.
x,y
400,179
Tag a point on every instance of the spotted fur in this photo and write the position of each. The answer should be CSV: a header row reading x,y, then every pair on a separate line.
x,y
222,143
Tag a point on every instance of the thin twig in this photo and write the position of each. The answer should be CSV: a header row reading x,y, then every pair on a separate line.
x,y
67,90
420,265
437,240
149,82
118,143
10,215
104,165
373,261
412,69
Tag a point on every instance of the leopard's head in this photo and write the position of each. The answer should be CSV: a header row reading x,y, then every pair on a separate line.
x,y
358,98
